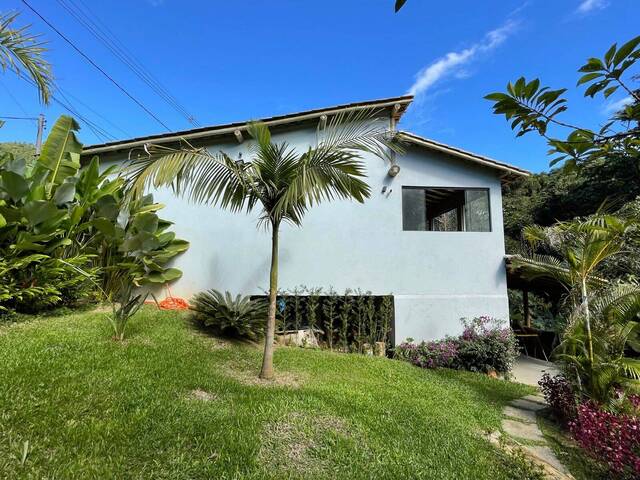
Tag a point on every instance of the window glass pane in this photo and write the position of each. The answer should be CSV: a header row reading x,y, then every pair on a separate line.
x,y
446,222
414,209
476,211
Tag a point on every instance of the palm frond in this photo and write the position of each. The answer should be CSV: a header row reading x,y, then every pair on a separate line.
x,y
21,52
196,174
362,130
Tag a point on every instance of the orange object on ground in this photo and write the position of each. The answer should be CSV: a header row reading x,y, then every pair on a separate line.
x,y
173,303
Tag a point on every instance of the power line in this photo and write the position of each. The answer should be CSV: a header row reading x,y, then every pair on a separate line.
x,y
69,94
97,130
15,100
106,36
18,118
95,65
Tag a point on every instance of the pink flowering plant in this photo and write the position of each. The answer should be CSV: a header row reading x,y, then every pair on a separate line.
x,y
609,437
485,345
441,353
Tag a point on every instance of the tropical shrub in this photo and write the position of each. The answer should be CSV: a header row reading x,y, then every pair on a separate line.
x,y
486,345
609,437
239,317
330,314
559,395
124,304
440,353
57,220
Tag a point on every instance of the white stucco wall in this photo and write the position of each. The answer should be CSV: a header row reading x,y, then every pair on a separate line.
x,y
435,277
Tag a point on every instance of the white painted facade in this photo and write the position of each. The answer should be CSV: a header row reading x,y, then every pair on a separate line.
x,y
436,277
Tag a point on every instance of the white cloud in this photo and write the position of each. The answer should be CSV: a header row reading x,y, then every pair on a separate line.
x,y
587,6
613,107
452,63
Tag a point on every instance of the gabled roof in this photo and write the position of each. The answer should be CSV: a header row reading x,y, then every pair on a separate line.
x,y
386,105
508,172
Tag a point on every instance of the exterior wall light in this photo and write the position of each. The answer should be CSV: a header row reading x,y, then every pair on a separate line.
x,y
393,170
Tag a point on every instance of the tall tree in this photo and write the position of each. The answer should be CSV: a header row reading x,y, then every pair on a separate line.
x,y
278,180
22,53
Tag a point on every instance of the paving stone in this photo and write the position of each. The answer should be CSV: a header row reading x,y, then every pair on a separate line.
x,y
526,431
527,404
546,455
528,416
536,399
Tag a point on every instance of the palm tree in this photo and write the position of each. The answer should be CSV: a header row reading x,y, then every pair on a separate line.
x,y
575,250
21,52
278,179
603,321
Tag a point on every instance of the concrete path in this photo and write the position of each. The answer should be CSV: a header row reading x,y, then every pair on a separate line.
x,y
529,370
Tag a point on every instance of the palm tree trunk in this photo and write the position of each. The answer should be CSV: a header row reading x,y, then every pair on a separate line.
x,y
587,318
267,360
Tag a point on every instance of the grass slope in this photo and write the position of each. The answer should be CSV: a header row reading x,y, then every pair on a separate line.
x,y
173,403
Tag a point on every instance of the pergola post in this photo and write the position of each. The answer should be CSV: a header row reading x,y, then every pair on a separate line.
x,y
525,305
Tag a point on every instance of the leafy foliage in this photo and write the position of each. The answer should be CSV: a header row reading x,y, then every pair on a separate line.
x,y
351,320
531,107
238,317
484,346
65,231
22,53
609,437
603,320
558,392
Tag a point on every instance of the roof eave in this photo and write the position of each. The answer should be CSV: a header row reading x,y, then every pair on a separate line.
x,y
509,172
229,129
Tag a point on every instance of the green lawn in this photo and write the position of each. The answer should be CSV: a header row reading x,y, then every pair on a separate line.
x,y
174,403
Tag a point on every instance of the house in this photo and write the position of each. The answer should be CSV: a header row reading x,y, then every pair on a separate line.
x,y
431,233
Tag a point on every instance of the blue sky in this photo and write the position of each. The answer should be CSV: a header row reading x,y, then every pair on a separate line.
x,y
226,61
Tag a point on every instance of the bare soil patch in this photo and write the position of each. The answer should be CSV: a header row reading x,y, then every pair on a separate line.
x,y
291,443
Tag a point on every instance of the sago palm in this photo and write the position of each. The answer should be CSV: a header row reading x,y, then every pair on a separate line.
x,y
278,180
22,53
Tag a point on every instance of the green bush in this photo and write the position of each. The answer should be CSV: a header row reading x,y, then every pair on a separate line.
x,y
68,233
486,345
238,317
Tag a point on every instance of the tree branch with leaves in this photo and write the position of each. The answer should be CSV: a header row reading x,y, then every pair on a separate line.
x,y
531,107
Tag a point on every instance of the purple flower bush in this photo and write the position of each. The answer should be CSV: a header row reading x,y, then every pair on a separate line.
x,y
485,345
441,353
609,437
560,397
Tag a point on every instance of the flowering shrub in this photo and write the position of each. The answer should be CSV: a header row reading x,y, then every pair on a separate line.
x,y
559,395
442,353
612,438
484,345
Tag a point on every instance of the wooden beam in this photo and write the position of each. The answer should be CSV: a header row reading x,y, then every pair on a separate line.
x,y
525,307
238,135
322,123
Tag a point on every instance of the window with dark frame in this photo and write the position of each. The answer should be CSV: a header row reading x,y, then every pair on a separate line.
x,y
444,209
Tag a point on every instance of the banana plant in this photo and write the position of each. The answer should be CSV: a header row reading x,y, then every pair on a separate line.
x,y
55,211
137,239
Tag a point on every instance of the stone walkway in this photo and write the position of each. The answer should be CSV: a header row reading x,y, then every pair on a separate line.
x,y
521,429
